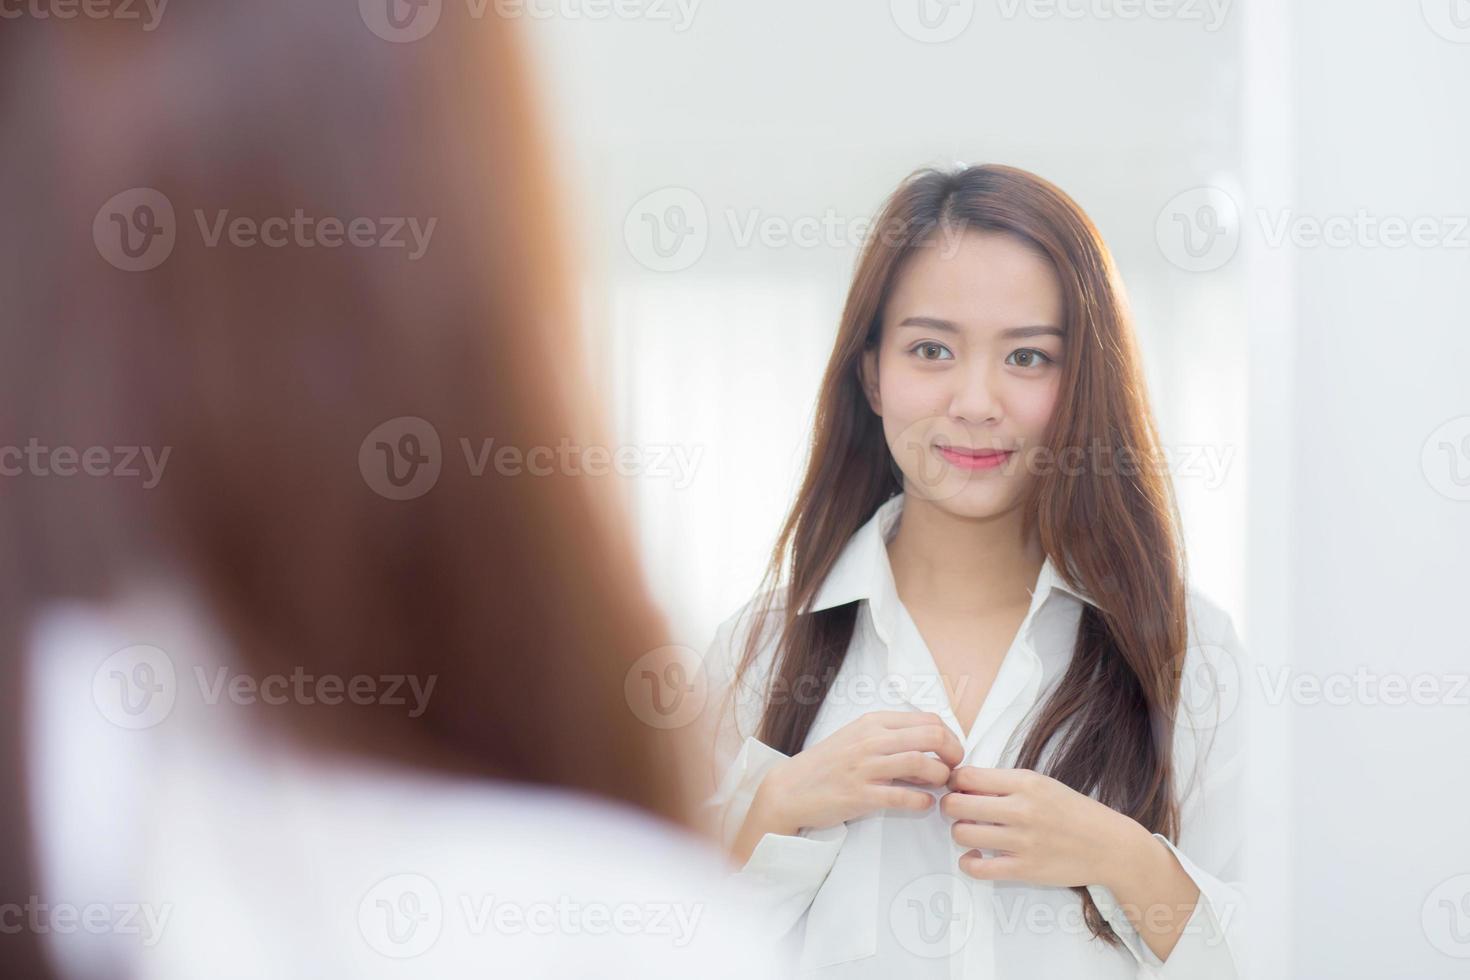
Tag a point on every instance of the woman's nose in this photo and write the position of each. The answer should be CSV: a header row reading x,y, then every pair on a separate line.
x,y
974,398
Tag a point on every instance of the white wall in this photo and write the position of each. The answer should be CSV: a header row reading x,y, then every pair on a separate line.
x,y
1379,531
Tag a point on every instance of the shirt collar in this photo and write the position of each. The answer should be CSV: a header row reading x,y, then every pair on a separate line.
x,y
862,571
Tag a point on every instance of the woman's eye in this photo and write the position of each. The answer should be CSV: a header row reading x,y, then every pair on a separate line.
x,y
1029,357
930,351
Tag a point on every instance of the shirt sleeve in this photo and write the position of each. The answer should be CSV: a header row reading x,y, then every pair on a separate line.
x,y
783,872
1209,763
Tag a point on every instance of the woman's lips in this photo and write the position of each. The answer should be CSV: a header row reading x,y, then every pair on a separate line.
x,y
978,459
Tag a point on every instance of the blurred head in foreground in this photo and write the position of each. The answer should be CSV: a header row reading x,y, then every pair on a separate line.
x,y
293,275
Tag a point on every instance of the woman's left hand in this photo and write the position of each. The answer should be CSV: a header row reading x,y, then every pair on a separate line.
x,y
1041,830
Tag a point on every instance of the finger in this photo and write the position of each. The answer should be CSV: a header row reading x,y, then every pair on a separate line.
x,y
904,719
915,766
991,868
936,738
898,798
997,782
984,835
985,809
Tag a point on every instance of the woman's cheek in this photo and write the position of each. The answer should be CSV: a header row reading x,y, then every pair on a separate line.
x,y
912,412
1033,408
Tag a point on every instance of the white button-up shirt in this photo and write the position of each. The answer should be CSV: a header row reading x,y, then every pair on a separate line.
x,y
882,895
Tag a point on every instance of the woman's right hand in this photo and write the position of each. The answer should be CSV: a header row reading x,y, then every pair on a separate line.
x,y
850,773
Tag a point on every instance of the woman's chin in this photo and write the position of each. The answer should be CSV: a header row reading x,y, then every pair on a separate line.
x,y
968,496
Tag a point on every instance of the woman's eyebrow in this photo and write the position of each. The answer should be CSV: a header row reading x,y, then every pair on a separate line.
x,y
949,326
932,322
1033,332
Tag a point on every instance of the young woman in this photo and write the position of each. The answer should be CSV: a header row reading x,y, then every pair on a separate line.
x,y
981,727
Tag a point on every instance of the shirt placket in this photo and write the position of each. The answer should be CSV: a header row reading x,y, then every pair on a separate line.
x,y
1014,690
973,952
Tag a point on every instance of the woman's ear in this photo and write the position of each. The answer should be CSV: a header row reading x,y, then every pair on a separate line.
x,y
868,375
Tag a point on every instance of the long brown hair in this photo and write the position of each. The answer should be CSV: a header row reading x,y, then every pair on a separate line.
x,y
263,369
1110,531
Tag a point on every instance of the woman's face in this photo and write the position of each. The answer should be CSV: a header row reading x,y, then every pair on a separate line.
x,y
969,361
